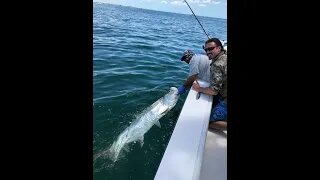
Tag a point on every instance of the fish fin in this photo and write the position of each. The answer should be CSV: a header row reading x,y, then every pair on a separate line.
x,y
141,140
158,124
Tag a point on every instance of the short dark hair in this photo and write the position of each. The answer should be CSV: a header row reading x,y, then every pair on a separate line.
x,y
216,41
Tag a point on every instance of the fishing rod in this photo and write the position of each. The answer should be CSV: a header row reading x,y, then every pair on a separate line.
x,y
197,19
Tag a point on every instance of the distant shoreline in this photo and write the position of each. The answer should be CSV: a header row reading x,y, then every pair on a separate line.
x,y
156,10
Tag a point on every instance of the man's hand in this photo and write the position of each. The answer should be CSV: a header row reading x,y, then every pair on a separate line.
x,y
181,90
196,86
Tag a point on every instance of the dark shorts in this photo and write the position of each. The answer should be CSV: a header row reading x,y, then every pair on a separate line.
x,y
219,110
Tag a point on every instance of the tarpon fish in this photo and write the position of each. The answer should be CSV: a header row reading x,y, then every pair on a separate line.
x,y
149,117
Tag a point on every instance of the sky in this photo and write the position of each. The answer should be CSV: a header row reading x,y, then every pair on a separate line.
x,y
210,8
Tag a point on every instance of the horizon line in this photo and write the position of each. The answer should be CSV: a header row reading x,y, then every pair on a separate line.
x,y
158,10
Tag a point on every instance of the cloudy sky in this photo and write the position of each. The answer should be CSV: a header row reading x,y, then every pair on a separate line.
x,y
210,8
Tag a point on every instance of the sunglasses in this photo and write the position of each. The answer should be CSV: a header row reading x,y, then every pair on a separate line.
x,y
209,49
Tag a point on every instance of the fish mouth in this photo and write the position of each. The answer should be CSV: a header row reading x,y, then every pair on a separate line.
x,y
174,90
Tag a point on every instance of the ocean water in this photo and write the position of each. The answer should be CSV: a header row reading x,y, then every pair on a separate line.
x,y
136,59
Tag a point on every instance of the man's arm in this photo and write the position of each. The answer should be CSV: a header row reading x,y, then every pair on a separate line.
x,y
206,90
216,82
190,80
187,84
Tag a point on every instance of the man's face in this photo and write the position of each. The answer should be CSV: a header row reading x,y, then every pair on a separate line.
x,y
212,50
188,60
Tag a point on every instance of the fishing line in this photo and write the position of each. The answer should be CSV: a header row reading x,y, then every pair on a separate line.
x,y
197,19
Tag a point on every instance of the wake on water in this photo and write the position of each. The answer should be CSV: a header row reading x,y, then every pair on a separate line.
x,y
141,125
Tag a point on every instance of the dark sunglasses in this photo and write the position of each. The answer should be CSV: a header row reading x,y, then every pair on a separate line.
x,y
209,49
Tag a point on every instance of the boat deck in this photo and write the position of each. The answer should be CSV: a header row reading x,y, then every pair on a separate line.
x,y
214,164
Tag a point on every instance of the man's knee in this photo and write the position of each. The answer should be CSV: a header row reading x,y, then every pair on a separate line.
x,y
220,125
219,112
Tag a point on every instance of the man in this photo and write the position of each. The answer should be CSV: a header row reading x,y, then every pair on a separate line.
x,y
218,84
199,68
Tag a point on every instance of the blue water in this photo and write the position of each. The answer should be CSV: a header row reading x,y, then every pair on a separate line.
x,y
136,56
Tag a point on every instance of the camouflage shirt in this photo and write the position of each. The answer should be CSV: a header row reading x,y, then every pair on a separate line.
x,y
218,72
